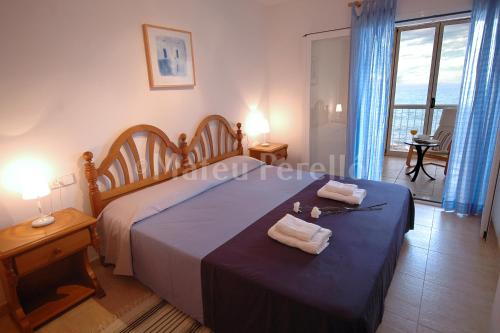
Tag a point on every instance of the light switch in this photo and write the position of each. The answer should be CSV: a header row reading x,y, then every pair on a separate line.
x,y
63,181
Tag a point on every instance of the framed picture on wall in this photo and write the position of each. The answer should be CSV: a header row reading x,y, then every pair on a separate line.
x,y
169,55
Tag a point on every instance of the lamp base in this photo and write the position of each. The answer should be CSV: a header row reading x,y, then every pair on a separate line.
x,y
43,221
265,144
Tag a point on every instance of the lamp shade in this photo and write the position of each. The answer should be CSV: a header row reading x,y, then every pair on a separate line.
x,y
338,108
28,176
34,189
264,126
257,124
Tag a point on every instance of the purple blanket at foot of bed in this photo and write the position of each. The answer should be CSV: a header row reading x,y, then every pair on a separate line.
x,y
255,284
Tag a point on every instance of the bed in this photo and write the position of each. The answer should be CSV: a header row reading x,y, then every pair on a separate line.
x,y
190,221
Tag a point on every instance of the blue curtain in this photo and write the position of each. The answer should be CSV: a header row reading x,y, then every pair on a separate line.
x,y
372,41
476,127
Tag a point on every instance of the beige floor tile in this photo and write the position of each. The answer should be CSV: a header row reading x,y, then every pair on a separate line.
x,y
392,169
452,223
403,298
420,236
424,214
89,313
423,329
406,182
420,191
425,211
412,261
119,289
392,323
423,187
423,221
453,311
395,162
461,273
464,244
388,180
393,174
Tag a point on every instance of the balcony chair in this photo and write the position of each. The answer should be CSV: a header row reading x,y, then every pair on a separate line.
x,y
443,134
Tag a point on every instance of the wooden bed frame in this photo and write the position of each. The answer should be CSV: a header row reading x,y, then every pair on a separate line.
x,y
123,171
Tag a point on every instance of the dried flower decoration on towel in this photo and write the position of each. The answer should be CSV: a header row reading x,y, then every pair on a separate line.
x,y
316,212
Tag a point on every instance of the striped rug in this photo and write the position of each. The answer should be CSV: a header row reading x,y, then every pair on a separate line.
x,y
154,315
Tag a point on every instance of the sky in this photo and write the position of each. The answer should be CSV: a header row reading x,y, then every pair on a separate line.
x,y
415,55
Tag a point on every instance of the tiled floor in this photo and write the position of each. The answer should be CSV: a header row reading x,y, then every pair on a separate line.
x,y
445,281
423,188
446,276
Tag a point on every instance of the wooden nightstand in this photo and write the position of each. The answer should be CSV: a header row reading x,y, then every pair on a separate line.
x,y
46,270
269,154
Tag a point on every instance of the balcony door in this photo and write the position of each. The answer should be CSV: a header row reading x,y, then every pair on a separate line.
x,y
426,80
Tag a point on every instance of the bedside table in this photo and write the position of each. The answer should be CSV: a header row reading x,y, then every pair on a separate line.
x,y
45,271
269,154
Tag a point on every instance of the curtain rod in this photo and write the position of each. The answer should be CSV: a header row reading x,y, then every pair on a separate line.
x,y
400,21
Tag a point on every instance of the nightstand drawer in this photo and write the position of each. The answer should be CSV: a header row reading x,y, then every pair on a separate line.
x,y
48,253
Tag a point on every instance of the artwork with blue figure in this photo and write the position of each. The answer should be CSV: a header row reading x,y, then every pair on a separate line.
x,y
172,56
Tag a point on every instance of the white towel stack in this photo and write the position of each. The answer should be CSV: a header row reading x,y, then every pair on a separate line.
x,y
348,193
294,232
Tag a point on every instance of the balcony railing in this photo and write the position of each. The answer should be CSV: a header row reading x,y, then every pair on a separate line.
x,y
405,120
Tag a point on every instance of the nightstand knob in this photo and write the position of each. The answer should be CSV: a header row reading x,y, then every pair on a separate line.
x,y
57,251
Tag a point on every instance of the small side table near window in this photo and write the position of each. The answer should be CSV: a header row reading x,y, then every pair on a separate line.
x,y
46,270
421,148
269,153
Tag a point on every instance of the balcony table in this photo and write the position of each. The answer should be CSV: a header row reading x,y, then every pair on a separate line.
x,y
421,149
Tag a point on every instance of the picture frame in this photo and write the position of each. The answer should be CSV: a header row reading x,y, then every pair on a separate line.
x,y
169,57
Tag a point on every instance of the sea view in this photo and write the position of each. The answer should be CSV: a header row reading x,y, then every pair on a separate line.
x,y
405,120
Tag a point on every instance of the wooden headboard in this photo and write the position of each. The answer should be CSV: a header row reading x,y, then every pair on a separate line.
x,y
126,168
213,141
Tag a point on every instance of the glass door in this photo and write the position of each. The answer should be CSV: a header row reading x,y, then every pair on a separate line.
x,y
327,99
427,74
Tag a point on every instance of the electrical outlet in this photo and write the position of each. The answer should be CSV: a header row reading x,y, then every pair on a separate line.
x,y
63,181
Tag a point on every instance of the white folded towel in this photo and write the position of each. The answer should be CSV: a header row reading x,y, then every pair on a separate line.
x,y
315,246
355,199
341,188
294,227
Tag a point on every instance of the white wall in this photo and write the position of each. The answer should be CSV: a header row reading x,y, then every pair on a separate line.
x,y
287,57
495,212
73,76
495,217
495,312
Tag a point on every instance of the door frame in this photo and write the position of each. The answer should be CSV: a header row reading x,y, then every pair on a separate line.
x,y
346,32
486,216
433,78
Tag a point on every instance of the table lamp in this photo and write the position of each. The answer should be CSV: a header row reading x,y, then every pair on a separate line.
x,y
264,128
257,124
37,188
